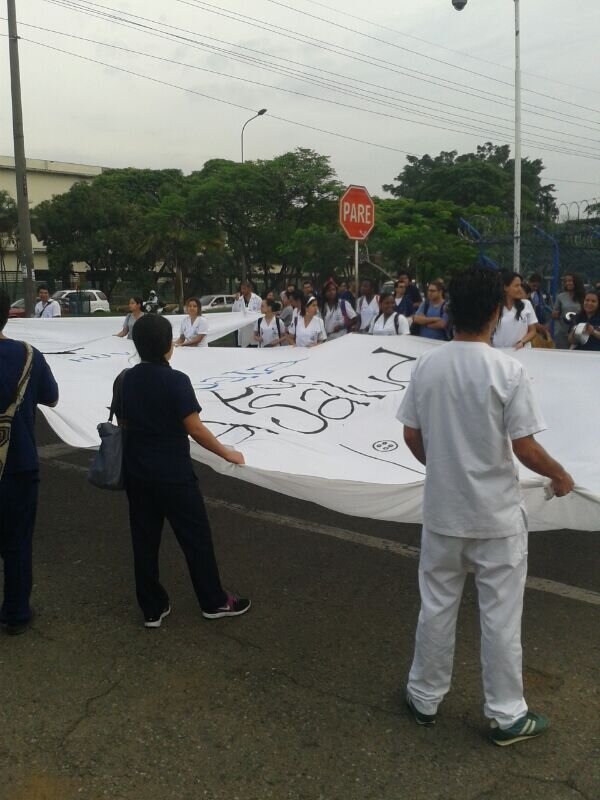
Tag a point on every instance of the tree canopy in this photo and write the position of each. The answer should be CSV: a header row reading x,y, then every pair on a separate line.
x,y
274,220
484,178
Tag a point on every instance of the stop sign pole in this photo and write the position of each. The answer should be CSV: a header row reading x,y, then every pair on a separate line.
x,y
357,219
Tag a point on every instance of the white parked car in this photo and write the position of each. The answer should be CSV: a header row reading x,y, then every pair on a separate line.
x,y
217,302
98,300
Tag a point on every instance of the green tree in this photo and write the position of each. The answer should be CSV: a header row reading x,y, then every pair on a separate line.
x,y
421,236
89,224
483,178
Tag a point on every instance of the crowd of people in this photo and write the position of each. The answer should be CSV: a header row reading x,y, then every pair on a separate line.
x,y
306,318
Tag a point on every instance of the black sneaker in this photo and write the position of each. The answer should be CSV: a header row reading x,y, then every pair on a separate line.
x,y
426,720
234,607
156,622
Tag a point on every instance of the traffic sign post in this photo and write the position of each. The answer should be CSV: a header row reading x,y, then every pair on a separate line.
x,y
357,218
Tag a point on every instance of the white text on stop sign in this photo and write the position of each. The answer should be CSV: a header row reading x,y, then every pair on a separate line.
x,y
354,212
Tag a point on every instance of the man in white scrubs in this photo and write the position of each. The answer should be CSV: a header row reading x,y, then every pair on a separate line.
x,y
467,409
248,302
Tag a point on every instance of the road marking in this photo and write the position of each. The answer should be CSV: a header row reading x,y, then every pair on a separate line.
x,y
374,542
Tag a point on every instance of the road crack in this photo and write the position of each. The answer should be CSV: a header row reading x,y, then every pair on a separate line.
x,y
88,710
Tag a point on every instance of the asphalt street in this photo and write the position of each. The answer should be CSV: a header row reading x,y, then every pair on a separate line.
x,y
302,698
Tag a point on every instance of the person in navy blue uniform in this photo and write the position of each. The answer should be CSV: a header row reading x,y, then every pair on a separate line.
x,y
158,409
20,477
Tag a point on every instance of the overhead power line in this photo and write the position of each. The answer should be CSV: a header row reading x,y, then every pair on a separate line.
x,y
389,66
416,52
462,53
230,103
182,34
216,99
542,145
313,41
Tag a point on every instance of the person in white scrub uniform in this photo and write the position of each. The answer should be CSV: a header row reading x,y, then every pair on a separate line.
x,y
468,408
248,303
194,327
367,305
46,307
517,326
389,322
270,330
308,328
337,314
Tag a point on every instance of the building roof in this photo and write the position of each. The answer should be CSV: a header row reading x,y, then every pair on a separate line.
x,y
54,167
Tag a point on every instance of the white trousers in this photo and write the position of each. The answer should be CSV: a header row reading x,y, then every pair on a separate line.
x,y
500,567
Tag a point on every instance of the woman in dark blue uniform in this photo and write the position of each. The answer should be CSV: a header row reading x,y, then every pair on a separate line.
x,y
158,408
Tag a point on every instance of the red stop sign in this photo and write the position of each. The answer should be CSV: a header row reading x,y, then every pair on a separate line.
x,y
357,212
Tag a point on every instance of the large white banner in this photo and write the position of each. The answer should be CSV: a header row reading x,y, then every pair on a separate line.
x,y
320,424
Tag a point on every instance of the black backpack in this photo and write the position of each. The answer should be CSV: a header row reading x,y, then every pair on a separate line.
x,y
277,322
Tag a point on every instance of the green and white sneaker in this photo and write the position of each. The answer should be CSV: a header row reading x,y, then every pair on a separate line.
x,y
528,727
426,720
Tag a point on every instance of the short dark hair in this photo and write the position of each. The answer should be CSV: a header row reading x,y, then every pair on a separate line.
x,y
475,295
297,295
4,309
152,336
43,288
535,278
137,299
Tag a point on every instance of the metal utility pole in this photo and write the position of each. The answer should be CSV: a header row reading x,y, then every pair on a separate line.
x,y
25,254
459,5
517,222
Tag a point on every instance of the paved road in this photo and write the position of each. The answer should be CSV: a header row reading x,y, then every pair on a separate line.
x,y
299,700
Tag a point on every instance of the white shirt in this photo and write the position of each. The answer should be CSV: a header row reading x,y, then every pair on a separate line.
x,y
469,401
367,310
269,331
511,330
47,310
334,317
246,334
311,334
191,329
387,327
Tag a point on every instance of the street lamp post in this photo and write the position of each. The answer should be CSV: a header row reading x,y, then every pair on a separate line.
x,y
459,5
258,114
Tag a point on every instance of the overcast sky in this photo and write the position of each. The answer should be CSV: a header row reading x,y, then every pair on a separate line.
x,y
85,112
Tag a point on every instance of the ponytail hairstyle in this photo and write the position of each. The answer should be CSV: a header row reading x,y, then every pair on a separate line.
x,y
507,278
304,303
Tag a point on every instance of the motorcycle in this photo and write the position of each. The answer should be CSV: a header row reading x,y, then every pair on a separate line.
x,y
153,305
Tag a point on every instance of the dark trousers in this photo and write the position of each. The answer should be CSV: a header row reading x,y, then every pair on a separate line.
x,y
18,507
183,506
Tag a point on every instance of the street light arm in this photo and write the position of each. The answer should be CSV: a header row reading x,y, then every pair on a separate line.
x,y
258,114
